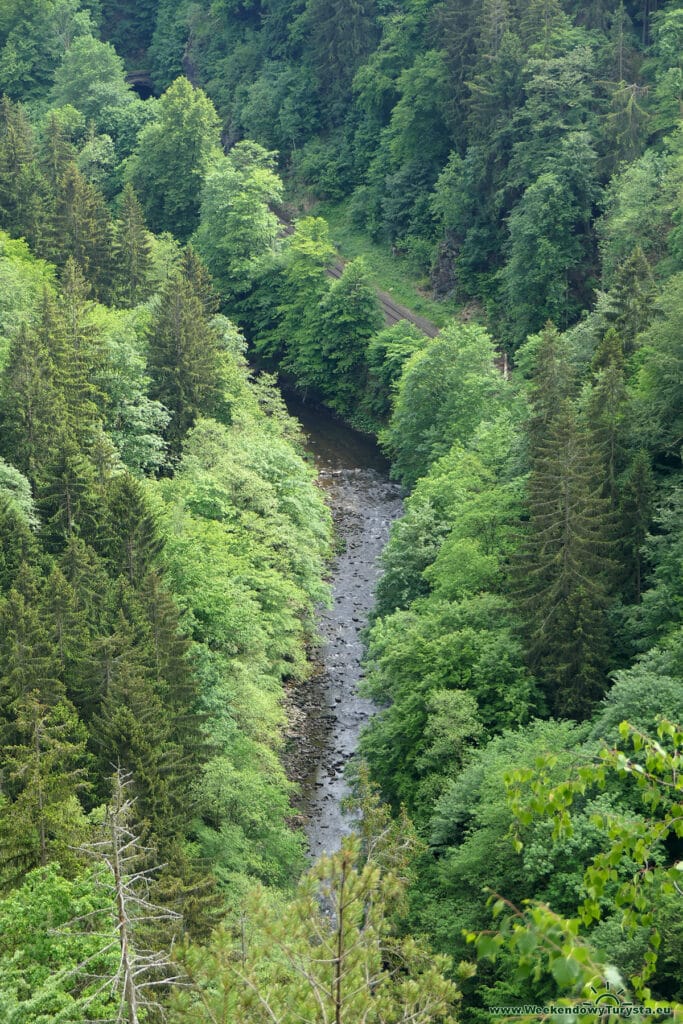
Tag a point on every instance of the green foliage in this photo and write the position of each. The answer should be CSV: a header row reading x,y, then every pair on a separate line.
x,y
172,157
186,359
237,229
629,842
440,398
44,940
345,962
91,78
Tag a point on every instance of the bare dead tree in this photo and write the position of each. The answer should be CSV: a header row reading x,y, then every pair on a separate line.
x,y
126,914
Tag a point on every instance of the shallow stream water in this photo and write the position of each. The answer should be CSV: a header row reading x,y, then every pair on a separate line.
x,y
364,503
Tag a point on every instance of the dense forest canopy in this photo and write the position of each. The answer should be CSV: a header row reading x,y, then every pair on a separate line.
x,y
164,546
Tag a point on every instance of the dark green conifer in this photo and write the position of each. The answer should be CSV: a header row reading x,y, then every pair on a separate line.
x,y
28,660
185,359
563,572
84,230
17,544
194,270
131,250
67,497
129,536
24,200
78,355
632,299
43,773
636,494
30,401
132,728
607,409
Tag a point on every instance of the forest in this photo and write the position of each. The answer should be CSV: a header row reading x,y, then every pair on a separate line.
x,y
178,181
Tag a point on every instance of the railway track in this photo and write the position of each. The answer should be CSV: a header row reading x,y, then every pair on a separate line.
x,y
393,313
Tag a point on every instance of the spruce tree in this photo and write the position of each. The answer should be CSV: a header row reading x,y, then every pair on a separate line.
x,y
195,272
635,511
28,660
129,536
563,570
79,357
84,230
44,771
17,544
30,401
607,410
632,297
185,359
131,250
131,726
24,199
67,497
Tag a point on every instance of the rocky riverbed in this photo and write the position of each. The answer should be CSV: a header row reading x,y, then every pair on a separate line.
x,y
327,713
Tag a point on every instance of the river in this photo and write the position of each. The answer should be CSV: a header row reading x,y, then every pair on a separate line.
x,y
364,503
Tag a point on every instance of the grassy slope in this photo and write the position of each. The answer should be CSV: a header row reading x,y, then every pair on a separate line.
x,y
389,273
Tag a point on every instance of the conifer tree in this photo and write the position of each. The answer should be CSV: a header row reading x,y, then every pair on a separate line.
x,y
86,575
78,354
341,32
344,964
58,153
608,408
131,250
636,493
83,229
67,497
24,203
44,770
132,727
631,298
129,537
185,359
17,543
564,573
194,270
30,401
541,21
28,660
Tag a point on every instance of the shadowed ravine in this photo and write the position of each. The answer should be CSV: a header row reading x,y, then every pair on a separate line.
x,y
329,711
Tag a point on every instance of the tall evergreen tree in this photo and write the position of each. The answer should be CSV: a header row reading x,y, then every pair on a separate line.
x,y
607,409
185,359
30,400
129,537
632,297
564,573
44,770
195,271
83,229
24,202
636,494
17,543
131,250
28,660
